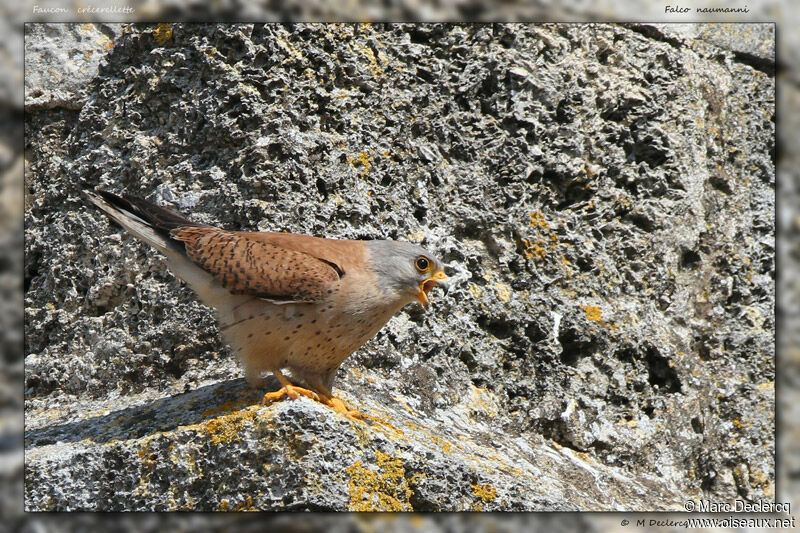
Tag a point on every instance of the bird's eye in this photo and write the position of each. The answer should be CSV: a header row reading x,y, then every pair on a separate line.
x,y
422,264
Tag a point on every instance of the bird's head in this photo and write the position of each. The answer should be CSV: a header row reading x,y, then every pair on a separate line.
x,y
406,270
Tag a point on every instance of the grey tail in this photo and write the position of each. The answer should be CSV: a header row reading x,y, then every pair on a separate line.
x,y
145,220
155,216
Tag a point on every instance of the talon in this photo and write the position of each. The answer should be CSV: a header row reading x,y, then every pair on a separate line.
x,y
292,391
340,407
324,397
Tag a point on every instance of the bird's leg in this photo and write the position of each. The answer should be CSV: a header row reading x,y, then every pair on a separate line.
x,y
287,389
324,396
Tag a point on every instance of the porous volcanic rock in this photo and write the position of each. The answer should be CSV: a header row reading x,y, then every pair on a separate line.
x,y
602,195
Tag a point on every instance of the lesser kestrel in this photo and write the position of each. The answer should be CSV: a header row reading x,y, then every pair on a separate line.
x,y
286,301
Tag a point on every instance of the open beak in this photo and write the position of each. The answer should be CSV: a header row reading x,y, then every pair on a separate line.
x,y
437,280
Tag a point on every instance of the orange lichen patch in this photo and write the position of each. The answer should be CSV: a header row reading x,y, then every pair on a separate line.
x,y
486,493
100,40
593,313
149,461
225,428
246,505
533,250
536,247
162,33
362,159
383,490
538,221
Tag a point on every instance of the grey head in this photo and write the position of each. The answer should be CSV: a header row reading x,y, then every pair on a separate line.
x,y
406,271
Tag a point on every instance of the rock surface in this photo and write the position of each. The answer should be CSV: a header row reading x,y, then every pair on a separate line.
x,y
61,60
603,196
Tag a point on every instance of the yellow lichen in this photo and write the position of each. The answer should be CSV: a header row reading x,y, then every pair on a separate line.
x,y
538,221
148,458
149,461
381,425
533,250
225,428
246,505
162,33
759,478
593,313
482,400
105,42
486,493
374,66
286,45
416,478
503,294
446,446
383,490
190,504
363,159
474,290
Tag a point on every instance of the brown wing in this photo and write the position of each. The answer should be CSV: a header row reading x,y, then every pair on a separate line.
x,y
248,266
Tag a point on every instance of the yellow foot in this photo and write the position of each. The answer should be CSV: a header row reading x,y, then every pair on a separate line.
x,y
340,407
292,391
324,397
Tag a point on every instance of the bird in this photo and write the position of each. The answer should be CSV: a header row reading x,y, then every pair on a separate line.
x,y
285,301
